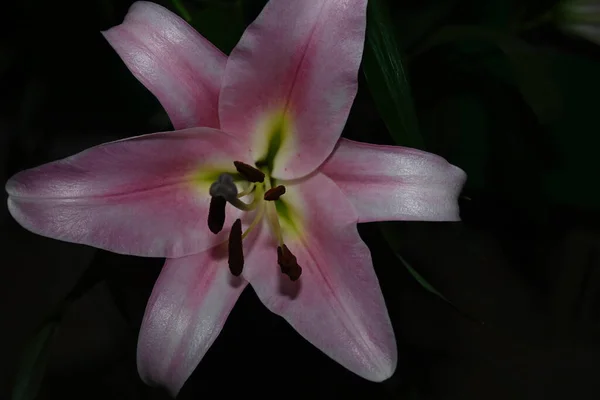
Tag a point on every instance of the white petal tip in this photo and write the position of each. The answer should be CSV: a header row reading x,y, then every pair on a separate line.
x,y
382,373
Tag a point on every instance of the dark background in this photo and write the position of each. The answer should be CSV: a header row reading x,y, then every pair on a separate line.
x,y
498,89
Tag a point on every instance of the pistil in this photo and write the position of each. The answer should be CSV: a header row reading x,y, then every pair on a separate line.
x,y
272,215
246,191
225,187
258,194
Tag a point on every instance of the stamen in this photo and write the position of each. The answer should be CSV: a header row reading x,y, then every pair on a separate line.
x,y
272,216
216,214
288,263
257,217
246,191
249,172
236,250
274,193
237,203
255,221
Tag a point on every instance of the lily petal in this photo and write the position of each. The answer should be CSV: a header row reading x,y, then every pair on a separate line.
x,y
186,312
336,304
295,71
145,196
179,66
389,183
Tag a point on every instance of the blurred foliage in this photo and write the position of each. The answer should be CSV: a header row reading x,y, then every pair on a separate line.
x,y
32,365
35,355
392,239
387,79
211,17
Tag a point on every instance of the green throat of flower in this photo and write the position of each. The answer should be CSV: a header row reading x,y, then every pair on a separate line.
x,y
266,201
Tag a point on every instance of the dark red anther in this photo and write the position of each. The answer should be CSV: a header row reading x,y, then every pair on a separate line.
x,y
288,264
274,193
216,214
249,172
236,250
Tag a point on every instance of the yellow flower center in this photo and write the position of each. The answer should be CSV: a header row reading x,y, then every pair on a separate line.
x,y
267,200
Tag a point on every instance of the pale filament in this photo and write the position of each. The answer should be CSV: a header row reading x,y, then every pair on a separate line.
x,y
257,201
256,220
258,198
272,215
237,203
262,205
246,191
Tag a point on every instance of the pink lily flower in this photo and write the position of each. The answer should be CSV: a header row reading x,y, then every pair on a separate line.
x,y
257,147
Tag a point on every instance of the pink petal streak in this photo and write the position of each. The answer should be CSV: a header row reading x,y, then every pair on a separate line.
x,y
301,60
336,304
388,183
179,66
186,312
136,196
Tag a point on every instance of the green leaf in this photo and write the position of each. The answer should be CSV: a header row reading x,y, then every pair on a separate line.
x,y
178,4
251,9
573,181
390,238
221,23
458,126
530,70
33,362
414,25
387,79
419,278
